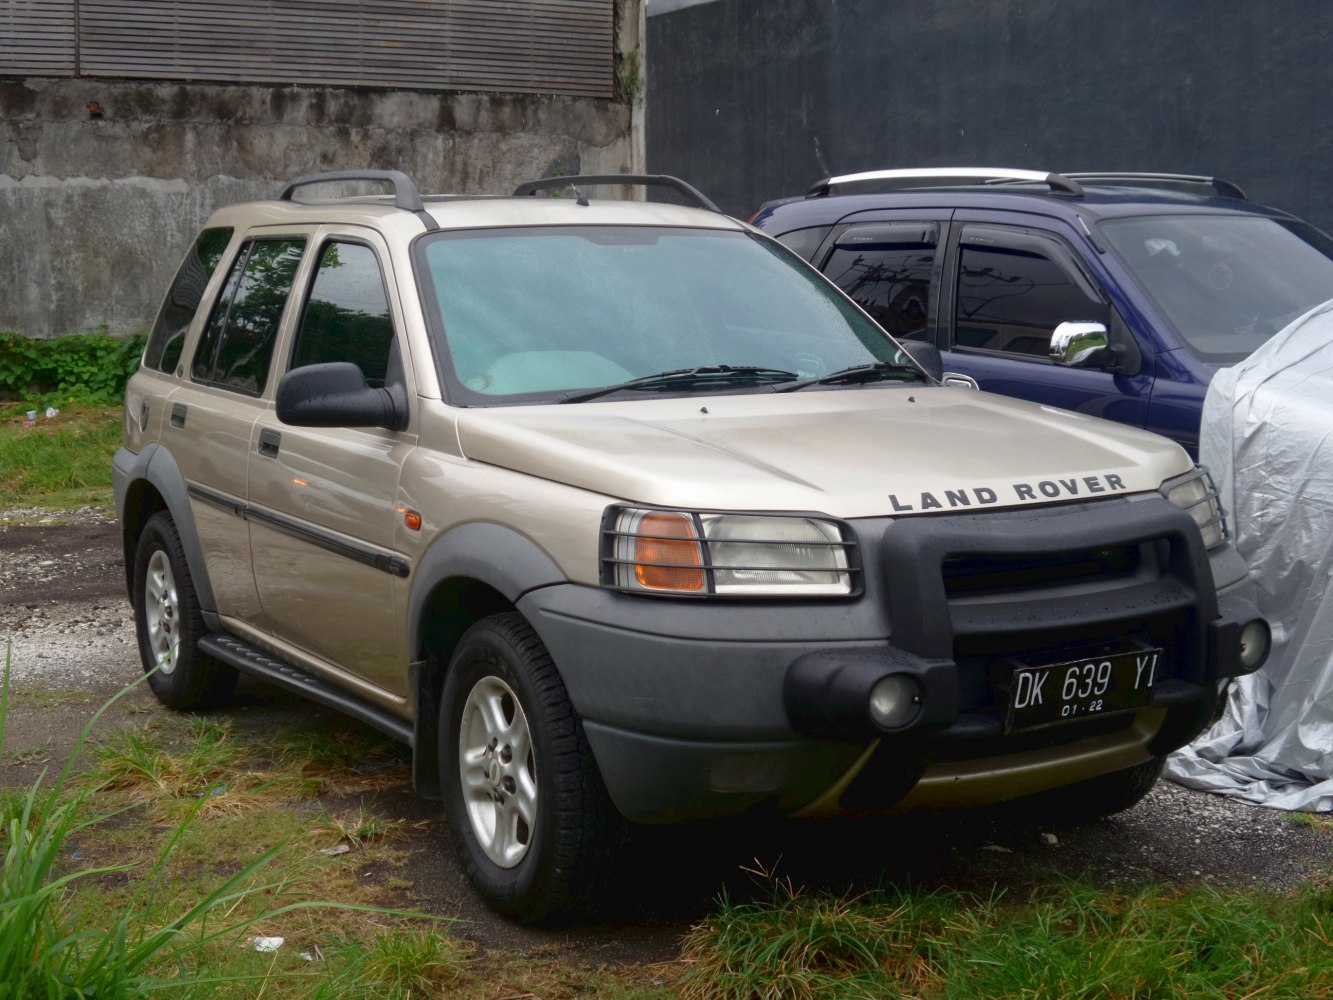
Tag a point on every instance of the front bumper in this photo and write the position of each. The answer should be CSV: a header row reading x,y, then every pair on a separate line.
x,y
706,708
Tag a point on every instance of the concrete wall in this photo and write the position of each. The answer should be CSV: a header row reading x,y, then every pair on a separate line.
x,y
95,214
751,101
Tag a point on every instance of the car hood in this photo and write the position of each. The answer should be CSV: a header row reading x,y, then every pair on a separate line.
x,y
850,453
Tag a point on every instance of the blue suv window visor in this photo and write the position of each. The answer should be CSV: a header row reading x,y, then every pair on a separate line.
x,y
916,234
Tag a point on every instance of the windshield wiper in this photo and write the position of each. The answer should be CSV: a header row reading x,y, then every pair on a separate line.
x,y
704,375
856,374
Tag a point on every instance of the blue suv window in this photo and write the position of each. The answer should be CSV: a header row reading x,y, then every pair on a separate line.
x,y
887,270
1226,283
1011,298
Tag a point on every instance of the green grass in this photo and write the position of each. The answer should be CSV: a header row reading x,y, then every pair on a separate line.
x,y
60,463
1065,942
151,868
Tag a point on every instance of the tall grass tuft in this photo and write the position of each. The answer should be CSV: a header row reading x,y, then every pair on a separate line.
x,y
799,946
401,963
1067,942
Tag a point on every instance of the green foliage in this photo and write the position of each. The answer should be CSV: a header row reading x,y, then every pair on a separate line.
x,y
88,368
631,77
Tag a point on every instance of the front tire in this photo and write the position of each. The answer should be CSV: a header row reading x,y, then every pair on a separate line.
x,y
527,810
169,624
1096,798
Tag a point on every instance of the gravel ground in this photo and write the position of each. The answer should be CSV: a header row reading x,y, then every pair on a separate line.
x,y
63,608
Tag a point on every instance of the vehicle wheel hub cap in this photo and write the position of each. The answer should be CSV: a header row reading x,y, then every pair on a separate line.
x,y
498,772
161,612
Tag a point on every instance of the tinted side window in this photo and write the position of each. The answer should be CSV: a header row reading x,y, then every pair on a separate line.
x,y
237,345
182,302
1012,300
887,277
347,315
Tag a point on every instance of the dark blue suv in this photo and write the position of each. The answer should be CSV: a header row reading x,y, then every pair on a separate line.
x,y
1117,295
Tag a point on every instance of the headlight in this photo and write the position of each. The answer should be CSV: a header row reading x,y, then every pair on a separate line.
x,y
735,555
1195,492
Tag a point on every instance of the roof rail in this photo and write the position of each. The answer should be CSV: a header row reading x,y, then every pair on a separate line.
x,y
1224,188
1057,182
404,191
647,180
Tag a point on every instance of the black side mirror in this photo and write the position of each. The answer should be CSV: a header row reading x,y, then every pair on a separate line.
x,y
927,356
334,394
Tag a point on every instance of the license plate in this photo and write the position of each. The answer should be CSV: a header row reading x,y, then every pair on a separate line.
x,y
1076,689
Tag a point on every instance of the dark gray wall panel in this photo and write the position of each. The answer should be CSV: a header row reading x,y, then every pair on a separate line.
x,y
751,101
512,46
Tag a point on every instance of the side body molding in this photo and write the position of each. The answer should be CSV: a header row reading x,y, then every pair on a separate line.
x,y
155,466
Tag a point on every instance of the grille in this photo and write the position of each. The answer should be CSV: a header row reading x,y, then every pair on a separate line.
x,y
991,573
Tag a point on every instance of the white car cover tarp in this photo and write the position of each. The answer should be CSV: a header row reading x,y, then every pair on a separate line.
x,y
1267,436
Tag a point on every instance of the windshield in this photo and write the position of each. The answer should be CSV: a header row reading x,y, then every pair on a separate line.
x,y
535,315
1226,283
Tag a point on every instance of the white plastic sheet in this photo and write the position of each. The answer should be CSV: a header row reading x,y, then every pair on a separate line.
x,y
1267,436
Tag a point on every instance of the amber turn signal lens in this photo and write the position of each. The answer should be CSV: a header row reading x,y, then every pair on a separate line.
x,y
666,553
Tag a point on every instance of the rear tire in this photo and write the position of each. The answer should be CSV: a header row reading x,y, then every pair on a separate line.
x,y
527,810
169,624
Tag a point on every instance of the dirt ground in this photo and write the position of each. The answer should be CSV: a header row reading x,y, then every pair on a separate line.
x,y
64,611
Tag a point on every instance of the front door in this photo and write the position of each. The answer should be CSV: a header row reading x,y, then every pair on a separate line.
x,y
1010,288
323,501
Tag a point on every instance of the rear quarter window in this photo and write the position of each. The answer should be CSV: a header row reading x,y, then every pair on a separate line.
x,y
166,341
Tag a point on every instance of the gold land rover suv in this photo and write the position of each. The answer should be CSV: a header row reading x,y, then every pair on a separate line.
x,y
619,511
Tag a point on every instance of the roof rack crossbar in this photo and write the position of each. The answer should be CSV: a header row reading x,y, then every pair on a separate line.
x,y
1057,182
1224,188
648,180
404,191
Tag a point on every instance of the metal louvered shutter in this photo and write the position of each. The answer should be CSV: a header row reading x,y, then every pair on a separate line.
x,y
37,37
525,46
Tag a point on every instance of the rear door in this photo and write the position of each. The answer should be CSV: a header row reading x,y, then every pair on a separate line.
x,y
209,417
1007,288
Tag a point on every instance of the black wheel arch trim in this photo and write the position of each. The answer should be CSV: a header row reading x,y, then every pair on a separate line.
x,y
156,466
487,553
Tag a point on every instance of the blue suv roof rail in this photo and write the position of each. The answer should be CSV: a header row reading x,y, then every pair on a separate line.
x,y
944,175
1222,187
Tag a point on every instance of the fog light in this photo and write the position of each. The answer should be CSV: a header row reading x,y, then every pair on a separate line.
x,y
894,701
1255,640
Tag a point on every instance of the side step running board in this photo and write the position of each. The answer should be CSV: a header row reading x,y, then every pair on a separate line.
x,y
249,660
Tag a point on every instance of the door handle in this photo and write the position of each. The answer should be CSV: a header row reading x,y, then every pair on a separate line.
x,y
178,412
269,442
962,381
